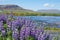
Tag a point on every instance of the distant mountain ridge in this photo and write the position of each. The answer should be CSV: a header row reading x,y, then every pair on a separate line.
x,y
12,7
50,11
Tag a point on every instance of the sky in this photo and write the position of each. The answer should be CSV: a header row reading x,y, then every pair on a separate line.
x,y
34,4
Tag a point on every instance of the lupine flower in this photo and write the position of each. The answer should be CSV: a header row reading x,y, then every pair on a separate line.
x,y
3,32
1,25
22,33
15,34
27,32
32,31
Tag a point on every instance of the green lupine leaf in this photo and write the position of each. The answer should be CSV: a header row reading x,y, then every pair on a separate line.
x,y
4,38
5,26
9,33
9,18
1,37
9,38
56,38
31,38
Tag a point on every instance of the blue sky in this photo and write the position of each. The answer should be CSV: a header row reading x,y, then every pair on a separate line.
x,y
34,4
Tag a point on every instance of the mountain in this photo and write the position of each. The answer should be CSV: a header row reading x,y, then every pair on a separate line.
x,y
50,11
12,8
2,7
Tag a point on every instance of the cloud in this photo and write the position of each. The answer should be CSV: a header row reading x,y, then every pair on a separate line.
x,y
48,5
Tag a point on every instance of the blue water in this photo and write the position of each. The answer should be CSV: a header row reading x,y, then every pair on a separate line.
x,y
50,19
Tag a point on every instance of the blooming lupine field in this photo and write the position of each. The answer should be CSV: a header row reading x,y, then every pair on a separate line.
x,y
22,29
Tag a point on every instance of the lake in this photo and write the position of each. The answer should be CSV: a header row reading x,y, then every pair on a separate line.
x,y
50,19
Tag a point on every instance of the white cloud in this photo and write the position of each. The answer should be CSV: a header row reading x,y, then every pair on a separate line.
x,y
48,5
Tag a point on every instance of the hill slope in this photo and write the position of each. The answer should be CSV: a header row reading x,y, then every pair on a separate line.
x,y
50,11
12,8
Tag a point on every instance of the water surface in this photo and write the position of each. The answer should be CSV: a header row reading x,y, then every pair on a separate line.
x,y
50,19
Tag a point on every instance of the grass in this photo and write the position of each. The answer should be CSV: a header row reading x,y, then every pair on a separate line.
x,y
53,29
27,13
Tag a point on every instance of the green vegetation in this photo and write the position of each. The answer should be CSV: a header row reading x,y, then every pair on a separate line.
x,y
28,13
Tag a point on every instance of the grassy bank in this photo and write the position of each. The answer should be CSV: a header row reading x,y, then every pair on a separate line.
x,y
27,13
